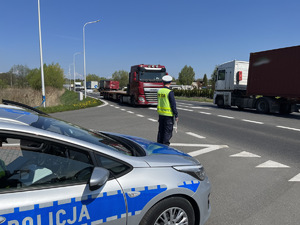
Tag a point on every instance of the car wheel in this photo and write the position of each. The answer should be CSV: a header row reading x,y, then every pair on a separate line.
x,y
174,210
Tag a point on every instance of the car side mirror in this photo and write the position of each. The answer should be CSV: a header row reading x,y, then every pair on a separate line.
x,y
99,178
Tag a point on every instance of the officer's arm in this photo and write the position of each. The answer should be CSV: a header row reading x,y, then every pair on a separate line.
x,y
173,103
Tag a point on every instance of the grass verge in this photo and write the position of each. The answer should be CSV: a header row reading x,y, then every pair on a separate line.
x,y
70,101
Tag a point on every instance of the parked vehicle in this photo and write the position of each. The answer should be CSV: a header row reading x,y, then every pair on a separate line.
x,y
53,172
78,86
92,84
269,83
144,82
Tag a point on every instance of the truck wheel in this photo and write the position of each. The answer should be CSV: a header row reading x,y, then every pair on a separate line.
x,y
262,106
132,101
220,102
174,210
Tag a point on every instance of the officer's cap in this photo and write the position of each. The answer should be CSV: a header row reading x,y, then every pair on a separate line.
x,y
167,79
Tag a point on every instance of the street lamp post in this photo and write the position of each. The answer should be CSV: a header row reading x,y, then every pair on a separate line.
x,y
41,57
77,53
84,68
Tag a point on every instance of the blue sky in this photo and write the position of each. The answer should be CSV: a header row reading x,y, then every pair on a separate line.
x,y
174,33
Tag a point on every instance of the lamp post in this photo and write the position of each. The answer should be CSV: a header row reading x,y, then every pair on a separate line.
x,y
84,68
41,57
76,53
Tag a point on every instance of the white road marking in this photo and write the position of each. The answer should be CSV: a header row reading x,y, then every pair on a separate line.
x,y
105,103
117,107
252,121
123,109
130,112
228,117
295,178
199,107
245,154
153,120
139,115
194,135
181,103
206,149
289,128
152,108
205,113
190,110
272,164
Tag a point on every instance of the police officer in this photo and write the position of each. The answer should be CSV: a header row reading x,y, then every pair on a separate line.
x,y
166,108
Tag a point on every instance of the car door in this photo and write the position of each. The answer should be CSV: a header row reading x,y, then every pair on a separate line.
x,y
45,183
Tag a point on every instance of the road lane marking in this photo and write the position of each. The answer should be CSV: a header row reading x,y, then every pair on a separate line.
x,y
130,112
272,164
206,148
189,110
139,115
252,121
228,117
295,178
152,108
205,113
123,109
245,154
200,107
153,120
194,135
288,128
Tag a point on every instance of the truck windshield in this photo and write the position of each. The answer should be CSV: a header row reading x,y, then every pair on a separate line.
x,y
151,75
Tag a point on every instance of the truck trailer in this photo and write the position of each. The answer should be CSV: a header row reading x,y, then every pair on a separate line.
x,y
269,82
144,82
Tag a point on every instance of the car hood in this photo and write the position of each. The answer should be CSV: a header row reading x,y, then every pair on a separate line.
x,y
158,155
151,147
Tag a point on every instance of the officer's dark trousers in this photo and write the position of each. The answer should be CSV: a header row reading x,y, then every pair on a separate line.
x,y
165,129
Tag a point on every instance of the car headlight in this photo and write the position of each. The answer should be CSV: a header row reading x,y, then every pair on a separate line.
x,y
196,171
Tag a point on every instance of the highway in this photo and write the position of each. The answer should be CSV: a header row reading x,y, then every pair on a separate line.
x,y
252,160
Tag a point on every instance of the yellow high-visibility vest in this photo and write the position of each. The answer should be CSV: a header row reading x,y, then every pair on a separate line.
x,y
163,103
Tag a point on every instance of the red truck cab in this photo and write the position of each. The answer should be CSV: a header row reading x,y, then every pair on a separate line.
x,y
144,82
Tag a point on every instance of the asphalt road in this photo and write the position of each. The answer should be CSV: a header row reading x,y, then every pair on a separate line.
x,y
252,160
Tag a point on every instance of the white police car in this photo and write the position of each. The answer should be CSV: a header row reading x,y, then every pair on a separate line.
x,y
56,173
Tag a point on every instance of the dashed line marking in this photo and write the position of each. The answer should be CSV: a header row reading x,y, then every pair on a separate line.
x,y
139,115
194,135
153,120
228,117
288,128
130,112
199,107
252,121
206,113
189,110
123,109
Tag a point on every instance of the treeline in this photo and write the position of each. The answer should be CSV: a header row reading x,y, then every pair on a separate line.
x,y
21,76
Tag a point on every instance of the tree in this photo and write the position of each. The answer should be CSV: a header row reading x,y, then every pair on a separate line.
x,y
213,79
122,77
92,77
205,80
18,75
186,76
53,76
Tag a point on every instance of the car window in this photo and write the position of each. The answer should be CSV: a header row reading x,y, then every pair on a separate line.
x,y
70,130
117,168
29,164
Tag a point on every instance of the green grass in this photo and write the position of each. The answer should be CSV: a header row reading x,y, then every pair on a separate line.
x,y
70,101
197,99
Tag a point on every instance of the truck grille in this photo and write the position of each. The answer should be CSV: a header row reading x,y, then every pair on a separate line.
x,y
151,96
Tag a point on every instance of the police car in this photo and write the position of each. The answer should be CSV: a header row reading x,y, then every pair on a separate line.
x,y
56,173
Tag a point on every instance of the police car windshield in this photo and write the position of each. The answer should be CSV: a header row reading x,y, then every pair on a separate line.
x,y
151,75
70,130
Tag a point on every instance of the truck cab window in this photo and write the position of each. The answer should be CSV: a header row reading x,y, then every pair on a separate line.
x,y
221,74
